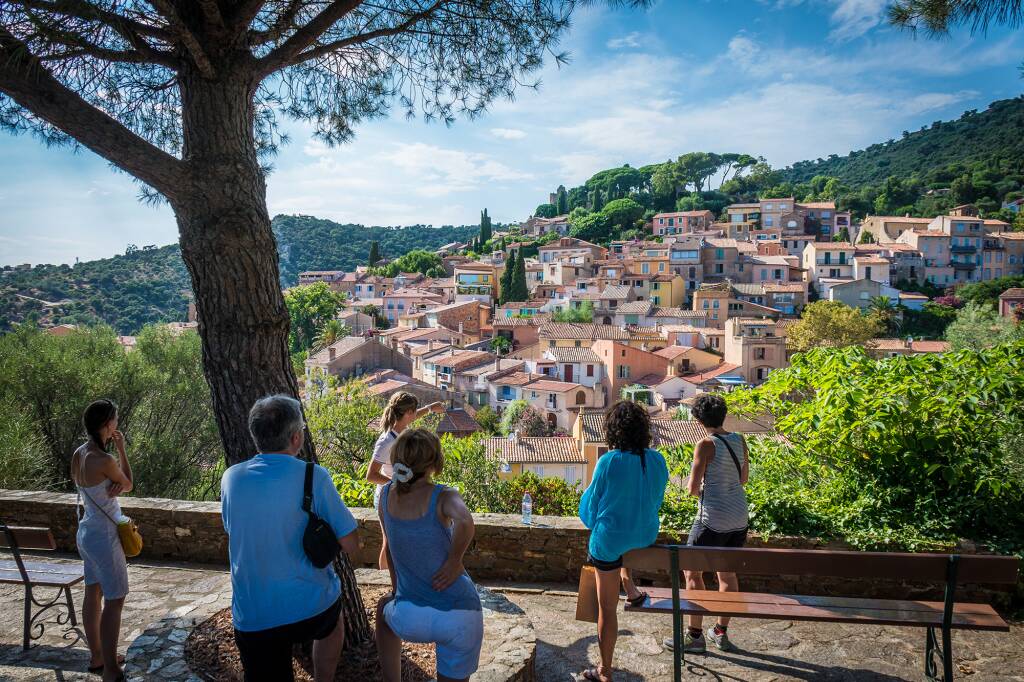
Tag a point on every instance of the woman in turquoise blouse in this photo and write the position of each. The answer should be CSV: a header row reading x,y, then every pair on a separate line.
x,y
621,508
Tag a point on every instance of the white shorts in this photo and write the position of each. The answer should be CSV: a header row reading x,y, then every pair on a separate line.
x,y
459,635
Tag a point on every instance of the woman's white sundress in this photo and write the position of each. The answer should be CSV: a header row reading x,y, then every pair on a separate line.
x,y
98,542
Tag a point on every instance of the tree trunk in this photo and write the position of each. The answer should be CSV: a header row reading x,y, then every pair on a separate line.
x,y
231,255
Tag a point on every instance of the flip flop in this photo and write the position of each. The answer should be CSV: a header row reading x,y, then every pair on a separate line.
x,y
593,675
638,600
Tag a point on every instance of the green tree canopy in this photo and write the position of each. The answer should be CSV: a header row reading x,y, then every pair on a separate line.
x,y
310,306
978,326
831,324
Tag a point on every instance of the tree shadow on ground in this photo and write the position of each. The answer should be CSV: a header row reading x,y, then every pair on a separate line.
x,y
695,666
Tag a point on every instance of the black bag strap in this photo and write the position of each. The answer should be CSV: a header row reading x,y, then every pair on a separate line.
x,y
735,459
307,491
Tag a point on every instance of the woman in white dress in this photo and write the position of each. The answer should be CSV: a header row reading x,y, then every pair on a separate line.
x,y
100,477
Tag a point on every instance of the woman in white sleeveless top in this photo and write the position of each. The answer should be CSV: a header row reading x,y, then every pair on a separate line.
x,y
100,478
721,467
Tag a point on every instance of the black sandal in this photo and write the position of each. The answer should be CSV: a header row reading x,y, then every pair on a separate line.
x,y
638,600
98,669
593,675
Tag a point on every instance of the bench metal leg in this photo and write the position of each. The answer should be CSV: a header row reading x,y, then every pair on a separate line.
x,y
33,623
28,616
932,649
71,606
678,657
932,646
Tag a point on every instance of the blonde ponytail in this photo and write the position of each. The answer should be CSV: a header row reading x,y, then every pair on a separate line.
x,y
401,404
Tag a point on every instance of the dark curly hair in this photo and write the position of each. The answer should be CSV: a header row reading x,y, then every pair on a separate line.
x,y
627,427
710,410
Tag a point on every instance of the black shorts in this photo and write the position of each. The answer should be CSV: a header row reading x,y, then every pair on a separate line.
x,y
267,654
702,536
604,565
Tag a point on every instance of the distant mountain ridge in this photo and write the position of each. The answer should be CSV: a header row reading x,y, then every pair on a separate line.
x,y
152,285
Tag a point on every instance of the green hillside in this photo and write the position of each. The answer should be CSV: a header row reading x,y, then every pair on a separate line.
x,y
308,243
152,285
994,134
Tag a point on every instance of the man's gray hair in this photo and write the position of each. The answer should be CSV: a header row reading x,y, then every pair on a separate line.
x,y
273,420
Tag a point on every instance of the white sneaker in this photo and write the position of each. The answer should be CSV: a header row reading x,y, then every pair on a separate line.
x,y
719,640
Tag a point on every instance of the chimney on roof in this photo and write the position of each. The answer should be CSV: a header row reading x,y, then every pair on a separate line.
x,y
909,343
330,353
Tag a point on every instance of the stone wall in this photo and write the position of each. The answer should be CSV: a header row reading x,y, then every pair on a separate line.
x,y
551,550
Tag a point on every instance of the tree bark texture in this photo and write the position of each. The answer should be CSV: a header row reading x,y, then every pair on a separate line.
x,y
231,255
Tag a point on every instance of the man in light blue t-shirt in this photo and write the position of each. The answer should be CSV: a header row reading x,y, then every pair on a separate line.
x,y
278,596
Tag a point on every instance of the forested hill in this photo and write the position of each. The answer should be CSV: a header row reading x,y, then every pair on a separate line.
x,y
152,285
308,243
994,134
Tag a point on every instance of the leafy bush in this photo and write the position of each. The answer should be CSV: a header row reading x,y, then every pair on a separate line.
x,y
46,381
910,451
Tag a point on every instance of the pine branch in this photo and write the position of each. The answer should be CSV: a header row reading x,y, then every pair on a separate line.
x,y
306,36
404,27
186,36
25,79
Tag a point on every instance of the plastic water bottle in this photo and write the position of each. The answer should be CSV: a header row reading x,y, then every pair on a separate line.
x,y
527,509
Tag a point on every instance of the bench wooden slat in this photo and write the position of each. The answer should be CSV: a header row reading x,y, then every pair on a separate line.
x,y
891,565
660,594
43,567
831,609
36,578
29,538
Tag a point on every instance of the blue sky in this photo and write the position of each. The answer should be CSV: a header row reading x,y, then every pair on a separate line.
x,y
785,79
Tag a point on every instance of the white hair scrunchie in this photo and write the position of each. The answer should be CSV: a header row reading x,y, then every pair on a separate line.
x,y
401,473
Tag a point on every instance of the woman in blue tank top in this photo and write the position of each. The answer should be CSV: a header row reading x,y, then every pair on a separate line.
x,y
427,529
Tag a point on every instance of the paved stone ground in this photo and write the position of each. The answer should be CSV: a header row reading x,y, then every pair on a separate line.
x,y
770,650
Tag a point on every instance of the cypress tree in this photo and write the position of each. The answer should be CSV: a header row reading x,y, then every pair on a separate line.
x,y
520,292
485,227
374,253
562,201
506,279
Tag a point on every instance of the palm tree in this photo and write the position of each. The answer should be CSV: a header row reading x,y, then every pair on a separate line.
x,y
888,314
332,331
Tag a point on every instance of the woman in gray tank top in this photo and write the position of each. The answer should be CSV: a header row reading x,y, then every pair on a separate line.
x,y
720,470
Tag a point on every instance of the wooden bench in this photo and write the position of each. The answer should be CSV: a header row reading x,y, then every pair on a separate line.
x,y
35,574
944,616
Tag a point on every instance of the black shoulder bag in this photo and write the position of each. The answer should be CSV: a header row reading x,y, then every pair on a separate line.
x,y
735,459
319,541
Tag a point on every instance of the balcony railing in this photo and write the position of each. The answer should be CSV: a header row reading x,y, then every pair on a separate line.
x,y
957,265
962,248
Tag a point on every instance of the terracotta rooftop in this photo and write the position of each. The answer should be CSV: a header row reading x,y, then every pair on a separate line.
x,y
583,331
1012,293
673,352
573,355
553,386
676,432
915,346
701,377
457,420
535,321
513,379
528,450
342,347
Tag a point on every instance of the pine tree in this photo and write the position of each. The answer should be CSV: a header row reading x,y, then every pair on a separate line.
x,y
485,227
562,201
506,279
374,253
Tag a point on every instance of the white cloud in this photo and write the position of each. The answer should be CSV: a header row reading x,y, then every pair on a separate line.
x,y
508,133
853,18
629,41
